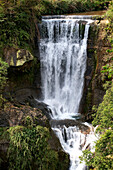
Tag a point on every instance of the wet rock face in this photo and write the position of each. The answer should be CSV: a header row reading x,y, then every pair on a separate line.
x,y
98,43
40,105
86,103
24,81
26,95
67,122
17,57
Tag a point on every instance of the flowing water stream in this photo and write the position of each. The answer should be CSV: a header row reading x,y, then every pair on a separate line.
x,y
63,56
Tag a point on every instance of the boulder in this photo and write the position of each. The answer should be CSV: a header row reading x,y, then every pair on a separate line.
x,y
40,105
67,122
16,113
16,57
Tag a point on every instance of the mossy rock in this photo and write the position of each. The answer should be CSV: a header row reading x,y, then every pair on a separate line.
x,y
16,57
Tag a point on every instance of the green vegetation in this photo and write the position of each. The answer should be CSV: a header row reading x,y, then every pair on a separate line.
x,y
17,24
107,71
102,158
72,6
18,19
29,148
3,79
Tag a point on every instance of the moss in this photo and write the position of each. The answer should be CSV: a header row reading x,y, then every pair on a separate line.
x,y
93,32
63,161
29,146
81,30
3,133
23,56
23,76
98,17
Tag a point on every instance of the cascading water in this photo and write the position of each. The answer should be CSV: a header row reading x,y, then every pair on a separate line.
x,y
63,55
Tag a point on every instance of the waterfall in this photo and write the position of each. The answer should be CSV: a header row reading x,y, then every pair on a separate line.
x,y
63,56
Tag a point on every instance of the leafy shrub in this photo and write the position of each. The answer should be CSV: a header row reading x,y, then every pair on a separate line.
x,y
3,79
29,149
107,70
102,158
104,114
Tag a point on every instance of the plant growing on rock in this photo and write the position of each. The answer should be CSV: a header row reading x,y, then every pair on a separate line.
x,y
102,158
29,149
3,79
107,70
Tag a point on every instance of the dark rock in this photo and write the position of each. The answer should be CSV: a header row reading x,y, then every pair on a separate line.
x,y
42,106
18,57
16,113
54,141
67,122
96,51
22,95
3,154
63,160
4,119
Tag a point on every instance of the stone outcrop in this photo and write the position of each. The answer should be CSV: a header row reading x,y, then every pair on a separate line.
x,y
86,102
24,81
98,43
40,105
15,113
16,57
67,122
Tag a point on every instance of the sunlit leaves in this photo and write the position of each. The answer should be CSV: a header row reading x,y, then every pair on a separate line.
x,y
29,148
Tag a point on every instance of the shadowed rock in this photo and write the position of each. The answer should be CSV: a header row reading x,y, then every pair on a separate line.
x,y
40,105
67,122
17,57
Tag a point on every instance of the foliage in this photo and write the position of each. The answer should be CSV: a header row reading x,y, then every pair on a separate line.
x,y
108,70
3,78
104,114
73,6
17,23
19,18
3,73
102,158
29,148
109,13
3,133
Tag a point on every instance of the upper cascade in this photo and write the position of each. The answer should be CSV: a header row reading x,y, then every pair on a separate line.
x,y
63,55
68,17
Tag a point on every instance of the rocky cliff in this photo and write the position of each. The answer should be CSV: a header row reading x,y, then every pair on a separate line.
x,y
98,43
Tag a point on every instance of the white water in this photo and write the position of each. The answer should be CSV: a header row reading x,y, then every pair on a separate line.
x,y
63,55
74,142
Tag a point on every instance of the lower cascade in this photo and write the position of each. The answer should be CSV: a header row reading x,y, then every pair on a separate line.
x,y
63,56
